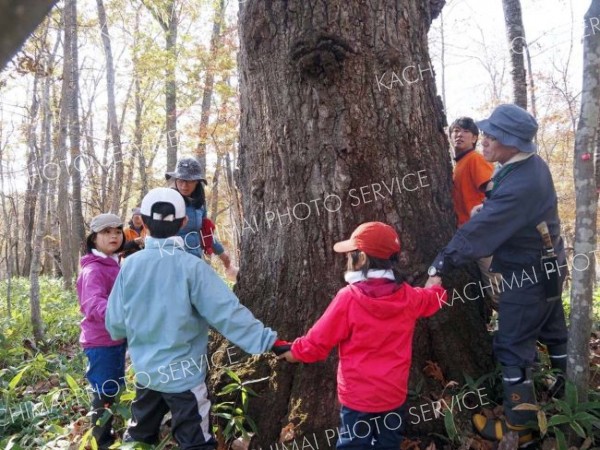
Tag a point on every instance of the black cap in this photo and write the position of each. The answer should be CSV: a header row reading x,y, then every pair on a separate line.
x,y
466,123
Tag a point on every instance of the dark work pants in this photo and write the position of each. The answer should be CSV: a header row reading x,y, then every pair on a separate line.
x,y
190,412
525,317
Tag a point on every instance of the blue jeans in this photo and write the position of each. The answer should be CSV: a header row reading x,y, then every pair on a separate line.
x,y
360,430
106,369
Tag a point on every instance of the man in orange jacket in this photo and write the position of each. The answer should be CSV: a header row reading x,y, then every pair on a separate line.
x,y
135,234
471,176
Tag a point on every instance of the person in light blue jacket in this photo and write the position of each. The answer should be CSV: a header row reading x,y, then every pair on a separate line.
x,y
163,301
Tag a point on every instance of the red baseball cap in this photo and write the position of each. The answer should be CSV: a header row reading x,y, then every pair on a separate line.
x,y
374,238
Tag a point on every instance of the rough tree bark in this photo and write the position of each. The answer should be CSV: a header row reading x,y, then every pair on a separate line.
x,y
18,19
338,98
235,210
209,82
586,200
515,32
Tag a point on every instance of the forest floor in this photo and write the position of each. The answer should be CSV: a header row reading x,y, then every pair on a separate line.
x,y
45,404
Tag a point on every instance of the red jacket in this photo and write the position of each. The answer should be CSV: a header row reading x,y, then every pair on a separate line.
x,y
373,323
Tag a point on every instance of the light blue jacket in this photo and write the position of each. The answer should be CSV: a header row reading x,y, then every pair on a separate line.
x,y
163,301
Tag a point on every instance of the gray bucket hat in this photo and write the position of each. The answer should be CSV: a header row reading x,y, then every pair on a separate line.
x,y
512,126
102,221
187,169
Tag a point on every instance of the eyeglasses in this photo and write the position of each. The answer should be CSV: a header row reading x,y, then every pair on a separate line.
x,y
488,136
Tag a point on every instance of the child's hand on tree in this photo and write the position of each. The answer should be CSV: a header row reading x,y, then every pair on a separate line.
x,y
231,271
288,357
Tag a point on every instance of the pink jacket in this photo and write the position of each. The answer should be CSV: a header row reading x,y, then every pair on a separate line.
x,y
93,288
373,323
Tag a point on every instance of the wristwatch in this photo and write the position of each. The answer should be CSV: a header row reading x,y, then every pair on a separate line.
x,y
433,272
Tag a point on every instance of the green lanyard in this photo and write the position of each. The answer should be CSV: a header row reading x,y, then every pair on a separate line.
x,y
499,177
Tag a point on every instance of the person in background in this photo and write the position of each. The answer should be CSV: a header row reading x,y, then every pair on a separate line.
x,y
199,232
372,321
520,198
471,175
164,301
134,234
106,356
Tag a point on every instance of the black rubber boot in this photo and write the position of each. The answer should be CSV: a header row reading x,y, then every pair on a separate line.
x,y
518,389
558,362
102,420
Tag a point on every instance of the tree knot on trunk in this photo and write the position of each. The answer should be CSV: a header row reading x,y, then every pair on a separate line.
x,y
258,189
319,55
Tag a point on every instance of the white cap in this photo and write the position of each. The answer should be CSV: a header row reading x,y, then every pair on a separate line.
x,y
163,195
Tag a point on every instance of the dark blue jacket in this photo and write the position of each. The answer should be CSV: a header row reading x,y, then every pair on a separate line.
x,y
506,225
191,232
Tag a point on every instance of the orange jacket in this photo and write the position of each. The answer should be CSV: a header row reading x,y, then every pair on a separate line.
x,y
130,235
472,171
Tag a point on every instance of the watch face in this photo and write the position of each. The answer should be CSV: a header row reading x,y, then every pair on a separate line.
x,y
432,272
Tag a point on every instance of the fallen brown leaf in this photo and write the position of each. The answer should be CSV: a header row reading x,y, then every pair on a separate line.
x,y
287,433
433,370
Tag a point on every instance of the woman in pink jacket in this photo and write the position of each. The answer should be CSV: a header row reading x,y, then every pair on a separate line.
x,y
106,358
372,321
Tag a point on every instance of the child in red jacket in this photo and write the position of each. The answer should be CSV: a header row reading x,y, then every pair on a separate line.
x,y
372,321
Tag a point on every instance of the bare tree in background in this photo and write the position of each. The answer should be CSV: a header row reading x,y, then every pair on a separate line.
x,y
167,15
63,211
515,33
209,85
41,210
113,123
586,225
77,224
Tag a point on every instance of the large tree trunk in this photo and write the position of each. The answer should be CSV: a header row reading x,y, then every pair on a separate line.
x,y
515,33
338,98
209,82
586,198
